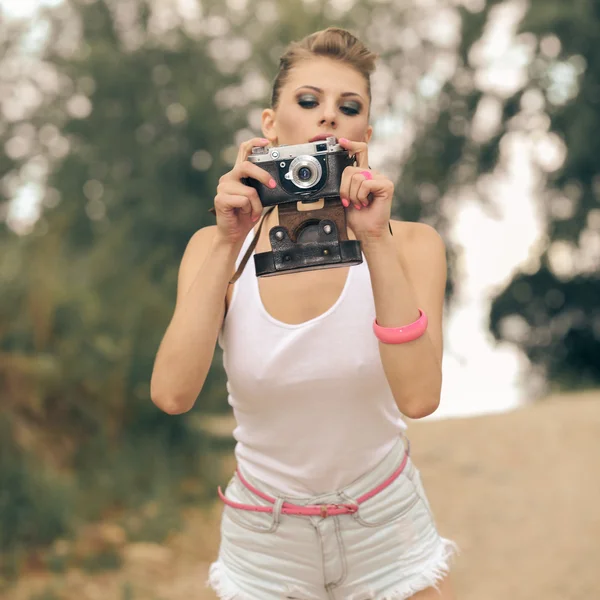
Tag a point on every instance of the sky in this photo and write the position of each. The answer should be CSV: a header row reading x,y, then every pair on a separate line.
x,y
479,375
24,8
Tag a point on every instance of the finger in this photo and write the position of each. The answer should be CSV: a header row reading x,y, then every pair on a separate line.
x,y
253,171
364,179
238,189
352,188
355,185
360,150
347,189
363,192
245,149
228,203
345,185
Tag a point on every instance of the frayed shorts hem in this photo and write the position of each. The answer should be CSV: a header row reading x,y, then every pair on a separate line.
x,y
432,574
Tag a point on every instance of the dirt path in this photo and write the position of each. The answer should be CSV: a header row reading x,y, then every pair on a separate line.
x,y
519,493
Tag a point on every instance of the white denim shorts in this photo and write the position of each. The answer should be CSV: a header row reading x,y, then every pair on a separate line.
x,y
388,550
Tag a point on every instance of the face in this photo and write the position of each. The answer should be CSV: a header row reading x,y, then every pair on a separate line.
x,y
320,97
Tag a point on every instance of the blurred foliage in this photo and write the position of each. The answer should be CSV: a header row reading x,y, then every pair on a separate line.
x,y
560,305
550,309
124,121
35,504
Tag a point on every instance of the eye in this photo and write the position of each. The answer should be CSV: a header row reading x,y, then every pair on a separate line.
x,y
351,108
307,101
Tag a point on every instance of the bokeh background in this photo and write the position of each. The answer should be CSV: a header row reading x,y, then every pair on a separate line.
x,y
117,117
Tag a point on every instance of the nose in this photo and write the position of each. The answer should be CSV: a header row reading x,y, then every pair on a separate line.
x,y
329,114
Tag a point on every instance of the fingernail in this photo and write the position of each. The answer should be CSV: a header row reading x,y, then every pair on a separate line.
x,y
365,203
256,218
357,206
264,140
345,202
343,140
272,183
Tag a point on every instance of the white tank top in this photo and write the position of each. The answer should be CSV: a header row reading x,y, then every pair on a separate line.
x,y
313,407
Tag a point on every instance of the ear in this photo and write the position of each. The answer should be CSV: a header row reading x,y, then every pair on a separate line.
x,y
368,134
268,125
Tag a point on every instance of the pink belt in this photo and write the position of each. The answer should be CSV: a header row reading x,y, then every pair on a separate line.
x,y
320,510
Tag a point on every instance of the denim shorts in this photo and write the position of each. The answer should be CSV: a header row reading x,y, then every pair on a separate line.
x,y
388,550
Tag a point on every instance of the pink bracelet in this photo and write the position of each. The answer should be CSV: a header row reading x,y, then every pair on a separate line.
x,y
401,335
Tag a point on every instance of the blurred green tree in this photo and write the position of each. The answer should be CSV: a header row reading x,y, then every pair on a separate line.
x,y
556,308
549,309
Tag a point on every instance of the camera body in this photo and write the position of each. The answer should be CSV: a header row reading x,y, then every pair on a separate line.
x,y
308,239
303,173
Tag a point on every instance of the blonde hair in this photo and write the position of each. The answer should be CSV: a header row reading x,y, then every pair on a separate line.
x,y
334,43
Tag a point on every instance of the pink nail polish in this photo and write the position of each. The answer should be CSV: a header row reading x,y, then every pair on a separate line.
x,y
345,203
358,206
343,140
272,183
365,203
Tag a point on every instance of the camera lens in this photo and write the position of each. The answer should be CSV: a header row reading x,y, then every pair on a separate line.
x,y
304,174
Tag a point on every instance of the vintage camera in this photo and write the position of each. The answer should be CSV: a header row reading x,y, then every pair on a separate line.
x,y
306,239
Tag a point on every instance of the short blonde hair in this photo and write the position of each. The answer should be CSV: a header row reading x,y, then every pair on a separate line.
x,y
334,43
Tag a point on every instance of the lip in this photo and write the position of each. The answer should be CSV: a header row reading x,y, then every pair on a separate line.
x,y
321,136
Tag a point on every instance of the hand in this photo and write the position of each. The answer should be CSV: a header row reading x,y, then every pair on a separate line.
x,y
368,201
237,206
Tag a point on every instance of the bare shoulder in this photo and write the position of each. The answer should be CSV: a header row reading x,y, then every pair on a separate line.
x,y
202,237
194,255
422,252
198,245
418,238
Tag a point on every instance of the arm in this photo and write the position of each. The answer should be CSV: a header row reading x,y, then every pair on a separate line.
x,y
187,348
402,285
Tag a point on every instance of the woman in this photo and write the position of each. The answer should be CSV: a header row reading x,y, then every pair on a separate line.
x,y
326,503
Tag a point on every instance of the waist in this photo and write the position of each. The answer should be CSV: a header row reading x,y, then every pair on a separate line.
x,y
324,506
303,454
361,488
313,465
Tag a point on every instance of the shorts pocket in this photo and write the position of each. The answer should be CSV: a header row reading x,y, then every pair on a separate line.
x,y
417,482
258,522
392,503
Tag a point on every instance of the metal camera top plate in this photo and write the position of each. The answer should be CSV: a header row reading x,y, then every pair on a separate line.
x,y
261,154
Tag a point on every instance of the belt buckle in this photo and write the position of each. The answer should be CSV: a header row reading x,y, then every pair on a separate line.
x,y
325,508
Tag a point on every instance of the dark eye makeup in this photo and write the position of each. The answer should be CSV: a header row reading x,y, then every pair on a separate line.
x,y
349,108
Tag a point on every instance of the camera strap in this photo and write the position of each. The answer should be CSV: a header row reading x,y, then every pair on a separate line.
x,y
251,247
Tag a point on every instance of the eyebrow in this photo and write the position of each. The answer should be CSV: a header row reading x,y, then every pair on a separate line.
x,y
320,91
